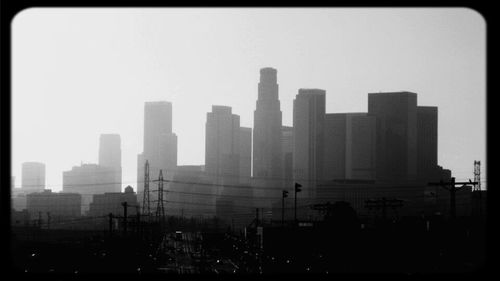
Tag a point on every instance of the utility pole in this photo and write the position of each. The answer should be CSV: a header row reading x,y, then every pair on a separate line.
x,y
476,193
145,199
297,189
284,195
452,188
124,204
383,203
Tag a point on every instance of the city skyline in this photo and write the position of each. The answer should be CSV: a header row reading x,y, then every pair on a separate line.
x,y
190,152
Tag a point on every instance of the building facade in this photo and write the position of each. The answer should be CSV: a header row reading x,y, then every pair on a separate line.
x,y
308,139
350,148
110,155
33,177
59,205
427,144
396,141
111,203
160,144
89,179
267,161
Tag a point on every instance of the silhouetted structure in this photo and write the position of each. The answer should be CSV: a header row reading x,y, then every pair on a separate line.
x,y
103,204
427,144
287,155
90,179
160,143
396,114
267,127
33,177
224,149
350,146
267,155
60,205
190,194
110,155
308,139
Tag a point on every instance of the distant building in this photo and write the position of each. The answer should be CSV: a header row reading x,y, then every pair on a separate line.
x,y
89,179
111,202
350,149
308,139
267,161
427,144
160,144
59,205
287,155
396,115
110,155
190,194
227,146
222,145
33,177
245,152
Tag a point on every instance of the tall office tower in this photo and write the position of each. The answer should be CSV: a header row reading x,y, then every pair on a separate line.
x,y
110,155
226,147
245,155
308,139
427,144
33,177
222,145
89,179
287,156
160,144
350,149
396,114
267,161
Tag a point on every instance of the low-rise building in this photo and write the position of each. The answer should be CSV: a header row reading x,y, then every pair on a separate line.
x,y
111,202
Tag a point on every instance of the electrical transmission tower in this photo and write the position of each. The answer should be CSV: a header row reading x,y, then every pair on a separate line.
x,y
160,208
145,199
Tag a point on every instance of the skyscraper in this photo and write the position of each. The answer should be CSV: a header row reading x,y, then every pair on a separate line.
x,y
110,156
245,155
308,139
160,144
267,162
396,114
349,146
222,157
33,177
427,143
287,155
222,145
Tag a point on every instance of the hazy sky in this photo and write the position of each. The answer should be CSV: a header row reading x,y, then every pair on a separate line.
x,y
78,73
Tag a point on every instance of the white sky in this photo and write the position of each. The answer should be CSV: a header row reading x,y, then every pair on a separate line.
x,y
78,73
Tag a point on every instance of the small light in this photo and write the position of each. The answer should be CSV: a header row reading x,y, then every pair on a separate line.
x,y
33,254
287,261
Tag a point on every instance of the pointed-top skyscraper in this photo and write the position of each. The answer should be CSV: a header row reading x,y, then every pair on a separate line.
x,y
267,154
267,162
